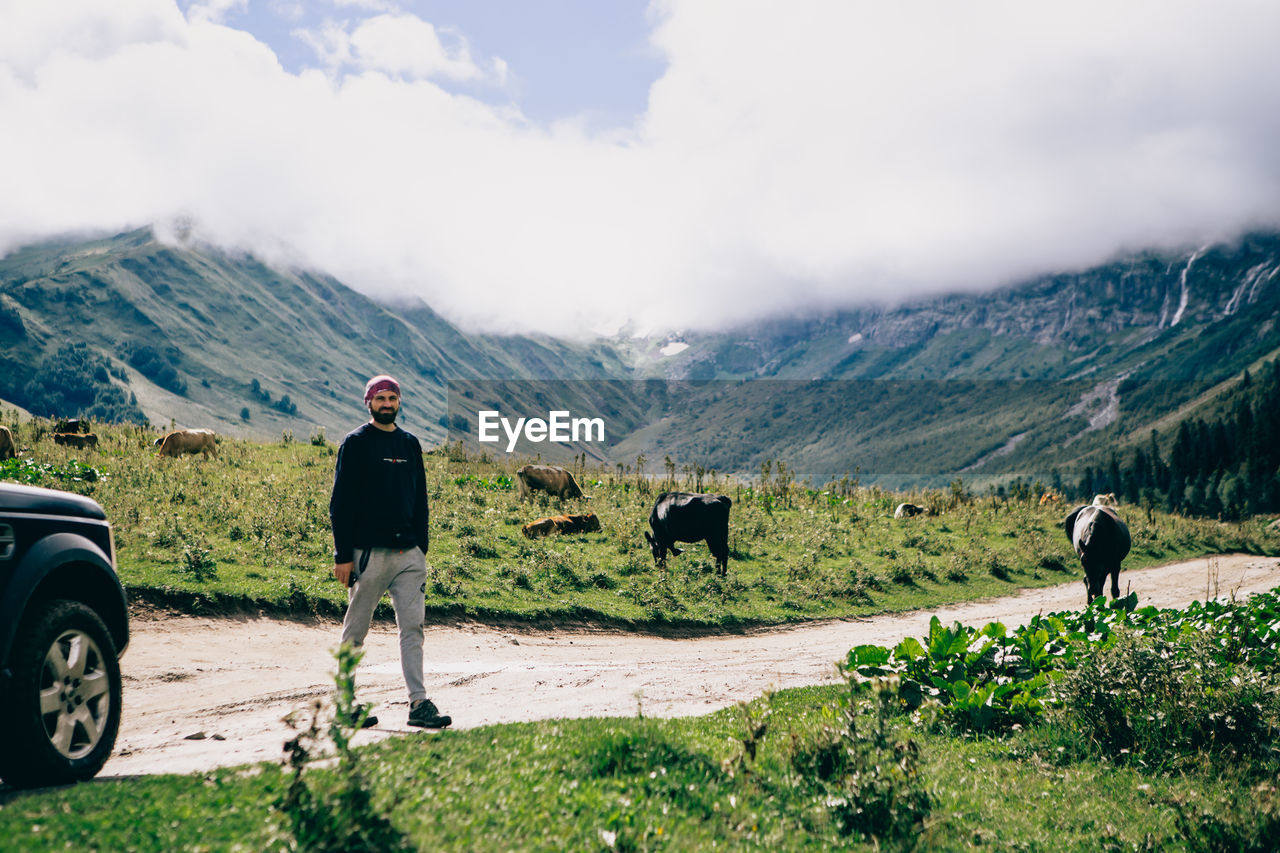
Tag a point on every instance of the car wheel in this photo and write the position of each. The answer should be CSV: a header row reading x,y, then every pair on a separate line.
x,y
63,716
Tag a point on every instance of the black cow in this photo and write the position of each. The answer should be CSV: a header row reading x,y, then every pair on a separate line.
x,y
1101,541
909,511
688,517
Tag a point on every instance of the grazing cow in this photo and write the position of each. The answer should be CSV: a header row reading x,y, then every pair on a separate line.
x,y
1101,541
587,523
688,517
908,511
189,441
71,425
1107,499
548,478
160,439
8,449
1050,497
80,441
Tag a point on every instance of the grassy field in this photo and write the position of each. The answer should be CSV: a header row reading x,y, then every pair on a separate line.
x,y
250,529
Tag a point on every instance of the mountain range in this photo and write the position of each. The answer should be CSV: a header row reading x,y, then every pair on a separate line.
x,y
1048,374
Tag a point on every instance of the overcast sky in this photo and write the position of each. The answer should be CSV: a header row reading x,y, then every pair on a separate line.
x,y
566,165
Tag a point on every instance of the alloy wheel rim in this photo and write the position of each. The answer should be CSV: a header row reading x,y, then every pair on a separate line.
x,y
75,694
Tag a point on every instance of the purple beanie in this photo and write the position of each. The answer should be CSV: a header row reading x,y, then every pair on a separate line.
x,y
379,383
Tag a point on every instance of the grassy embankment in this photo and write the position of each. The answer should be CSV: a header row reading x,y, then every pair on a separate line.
x,y
250,529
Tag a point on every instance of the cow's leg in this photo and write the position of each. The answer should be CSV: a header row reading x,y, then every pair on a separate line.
x,y
720,550
1115,581
1089,594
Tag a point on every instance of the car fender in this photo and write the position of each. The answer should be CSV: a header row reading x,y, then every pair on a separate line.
x,y
100,588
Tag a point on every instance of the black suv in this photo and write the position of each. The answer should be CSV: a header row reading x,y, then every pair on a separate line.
x,y
63,627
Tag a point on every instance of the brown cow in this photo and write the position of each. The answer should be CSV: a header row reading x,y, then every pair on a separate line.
x,y
548,478
160,439
587,523
189,441
8,449
80,441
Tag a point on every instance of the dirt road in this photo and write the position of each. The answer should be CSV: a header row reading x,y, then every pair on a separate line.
x,y
202,692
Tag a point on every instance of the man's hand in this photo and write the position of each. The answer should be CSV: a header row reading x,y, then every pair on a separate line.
x,y
342,571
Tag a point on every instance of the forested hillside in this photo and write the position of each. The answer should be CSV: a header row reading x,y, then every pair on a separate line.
x,y
1224,463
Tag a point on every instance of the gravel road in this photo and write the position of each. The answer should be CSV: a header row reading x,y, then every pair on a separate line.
x,y
207,692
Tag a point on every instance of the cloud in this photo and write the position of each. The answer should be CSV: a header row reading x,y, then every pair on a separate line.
x,y
400,45
793,156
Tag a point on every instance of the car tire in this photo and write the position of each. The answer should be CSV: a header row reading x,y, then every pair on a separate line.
x,y
64,712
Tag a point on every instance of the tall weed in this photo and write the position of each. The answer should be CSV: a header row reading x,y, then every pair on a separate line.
x,y
338,811
879,795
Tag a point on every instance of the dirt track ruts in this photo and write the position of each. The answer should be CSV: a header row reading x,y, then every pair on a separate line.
x,y
207,692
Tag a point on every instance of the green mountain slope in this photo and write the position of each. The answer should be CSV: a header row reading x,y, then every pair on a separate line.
x,y
241,334
1052,373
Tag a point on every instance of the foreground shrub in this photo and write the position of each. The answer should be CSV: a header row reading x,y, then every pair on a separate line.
x,y
1167,701
962,678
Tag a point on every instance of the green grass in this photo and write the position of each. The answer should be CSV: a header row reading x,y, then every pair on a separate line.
x,y
250,529
646,784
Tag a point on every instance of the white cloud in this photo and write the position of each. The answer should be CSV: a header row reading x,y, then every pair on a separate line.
x,y
401,45
806,153
405,44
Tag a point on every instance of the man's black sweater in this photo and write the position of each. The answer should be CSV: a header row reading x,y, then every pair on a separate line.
x,y
379,492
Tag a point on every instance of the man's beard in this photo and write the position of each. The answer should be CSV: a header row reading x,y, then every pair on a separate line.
x,y
384,417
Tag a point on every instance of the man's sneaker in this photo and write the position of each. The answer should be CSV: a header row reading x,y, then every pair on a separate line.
x,y
424,714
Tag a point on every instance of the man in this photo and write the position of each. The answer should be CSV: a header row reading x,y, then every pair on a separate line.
x,y
379,514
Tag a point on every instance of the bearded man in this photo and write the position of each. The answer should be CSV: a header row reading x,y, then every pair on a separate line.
x,y
379,514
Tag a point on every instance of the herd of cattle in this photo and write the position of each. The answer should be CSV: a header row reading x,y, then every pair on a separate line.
x,y
75,433
1098,535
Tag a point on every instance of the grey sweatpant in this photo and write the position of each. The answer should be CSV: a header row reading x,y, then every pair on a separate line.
x,y
404,575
